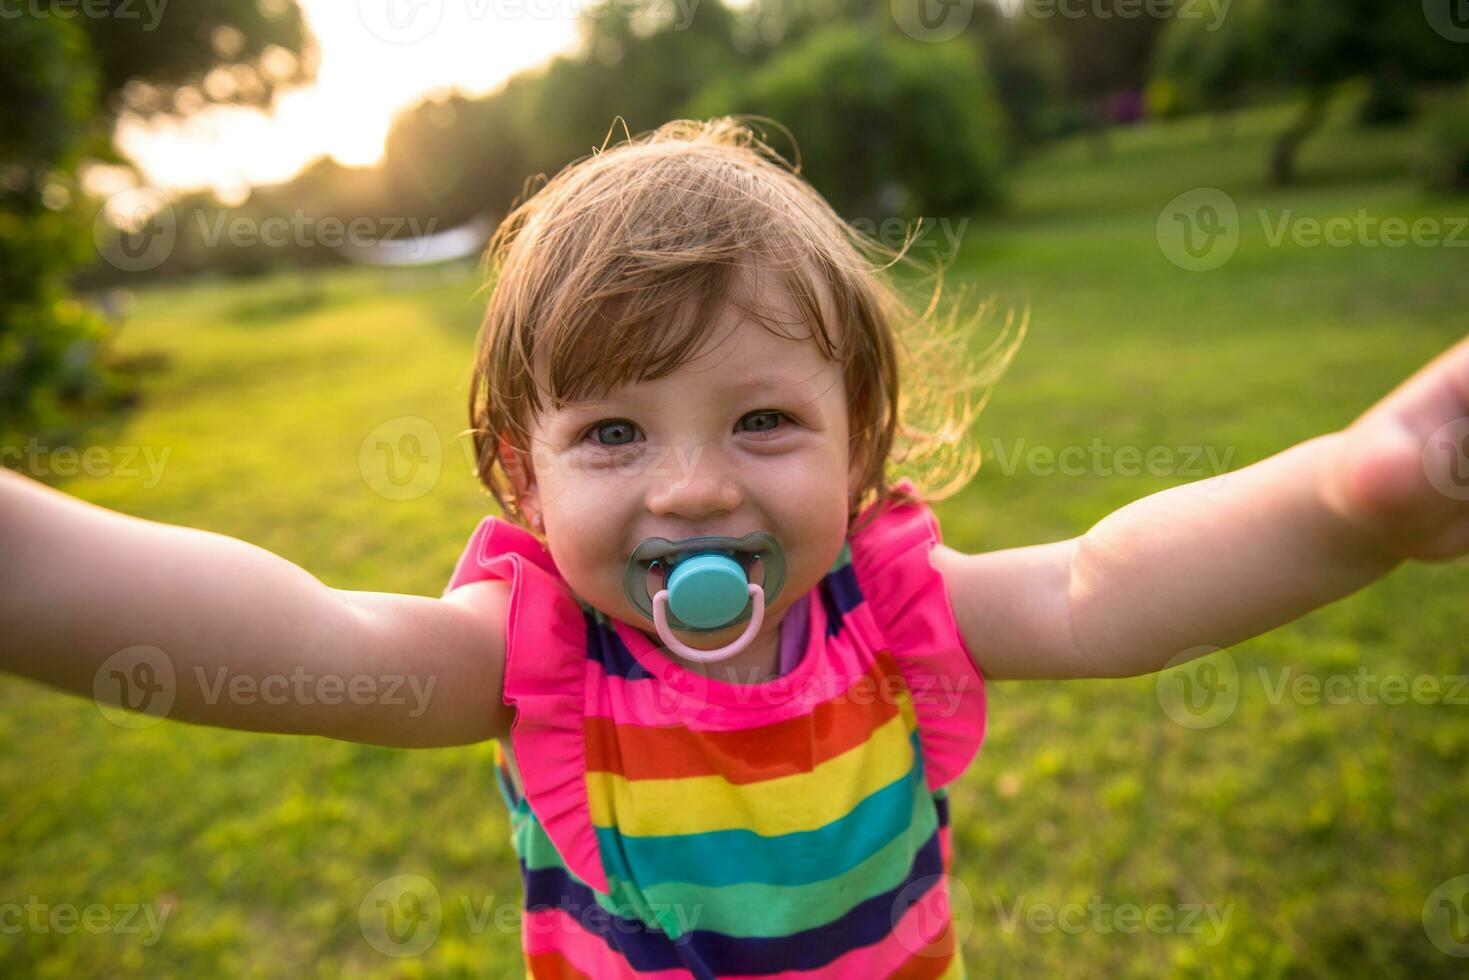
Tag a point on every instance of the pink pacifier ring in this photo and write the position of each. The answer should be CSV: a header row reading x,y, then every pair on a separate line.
x,y
660,621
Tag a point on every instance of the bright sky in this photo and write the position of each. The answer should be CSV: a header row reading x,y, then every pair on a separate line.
x,y
377,57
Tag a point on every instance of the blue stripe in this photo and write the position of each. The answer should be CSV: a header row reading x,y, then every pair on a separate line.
x,y
710,954
731,857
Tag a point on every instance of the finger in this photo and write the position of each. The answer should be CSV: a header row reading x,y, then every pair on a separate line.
x,y
1436,393
1402,488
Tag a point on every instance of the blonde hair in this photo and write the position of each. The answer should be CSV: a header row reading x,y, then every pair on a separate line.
x,y
613,272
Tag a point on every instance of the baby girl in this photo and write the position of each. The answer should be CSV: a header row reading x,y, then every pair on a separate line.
x,y
729,667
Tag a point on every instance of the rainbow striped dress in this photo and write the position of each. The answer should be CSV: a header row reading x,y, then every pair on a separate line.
x,y
670,826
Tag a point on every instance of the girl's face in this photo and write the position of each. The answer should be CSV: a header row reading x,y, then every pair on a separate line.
x,y
751,434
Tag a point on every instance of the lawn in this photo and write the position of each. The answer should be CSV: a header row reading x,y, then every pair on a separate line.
x,y
1319,829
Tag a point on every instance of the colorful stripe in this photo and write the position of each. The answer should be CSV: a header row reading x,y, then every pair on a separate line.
x,y
793,839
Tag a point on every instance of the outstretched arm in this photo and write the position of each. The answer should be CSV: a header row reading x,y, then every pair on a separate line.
x,y
1212,563
250,640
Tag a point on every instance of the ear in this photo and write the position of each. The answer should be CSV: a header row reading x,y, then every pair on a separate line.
x,y
520,466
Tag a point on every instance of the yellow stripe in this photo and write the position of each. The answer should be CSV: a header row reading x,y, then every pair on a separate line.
x,y
784,805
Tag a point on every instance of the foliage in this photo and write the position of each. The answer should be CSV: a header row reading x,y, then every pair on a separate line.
x,y
884,125
251,48
66,73
1311,46
1203,64
1447,165
48,342
1025,61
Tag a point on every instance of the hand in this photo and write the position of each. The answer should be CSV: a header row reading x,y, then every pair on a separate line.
x,y
1402,473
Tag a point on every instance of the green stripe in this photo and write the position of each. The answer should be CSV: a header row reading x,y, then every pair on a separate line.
x,y
759,910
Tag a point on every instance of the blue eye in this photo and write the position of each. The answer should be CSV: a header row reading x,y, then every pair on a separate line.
x,y
621,430
769,420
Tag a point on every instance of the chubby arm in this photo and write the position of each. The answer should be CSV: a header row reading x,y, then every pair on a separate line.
x,y
251,641
1212,563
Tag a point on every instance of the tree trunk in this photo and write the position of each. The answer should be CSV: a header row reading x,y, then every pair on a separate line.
x,y
1283,152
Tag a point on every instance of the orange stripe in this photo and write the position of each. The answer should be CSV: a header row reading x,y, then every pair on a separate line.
x,y
932,960
753,754
552,965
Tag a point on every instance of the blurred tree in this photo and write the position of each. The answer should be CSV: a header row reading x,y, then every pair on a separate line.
x,y
1313,46
885,125
1205,65
1107,49
1446,167
47,341
203,51
1025,61
1317,44
68,73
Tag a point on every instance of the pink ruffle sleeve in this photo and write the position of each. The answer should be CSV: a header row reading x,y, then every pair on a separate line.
x,y
909,602
545,678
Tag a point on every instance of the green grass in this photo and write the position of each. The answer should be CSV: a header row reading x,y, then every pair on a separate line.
x,y
1324,827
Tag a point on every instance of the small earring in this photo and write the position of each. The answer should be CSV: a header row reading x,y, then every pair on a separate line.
x,y
537,523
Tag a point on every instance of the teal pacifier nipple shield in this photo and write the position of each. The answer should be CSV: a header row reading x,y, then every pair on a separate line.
x,y
705,584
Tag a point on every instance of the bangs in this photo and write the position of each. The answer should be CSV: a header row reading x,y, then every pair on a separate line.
x,y
596,348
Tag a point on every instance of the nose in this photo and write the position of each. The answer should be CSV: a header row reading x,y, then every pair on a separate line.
x,y
706,490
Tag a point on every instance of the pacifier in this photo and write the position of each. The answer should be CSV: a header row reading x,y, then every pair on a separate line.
x,y
705,584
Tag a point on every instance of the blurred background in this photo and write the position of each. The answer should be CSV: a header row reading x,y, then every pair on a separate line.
x,y
238,291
